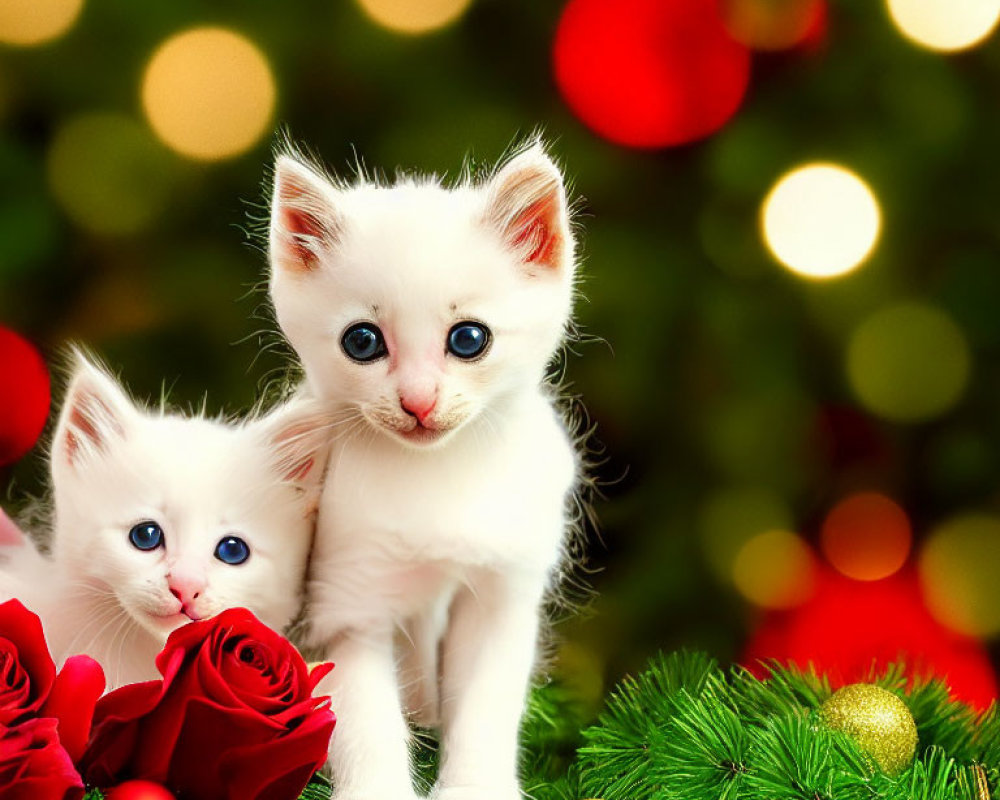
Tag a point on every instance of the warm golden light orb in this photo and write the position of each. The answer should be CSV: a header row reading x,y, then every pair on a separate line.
x,y
414,17
32,22
775,569
945,25
208,93
821,220
958,570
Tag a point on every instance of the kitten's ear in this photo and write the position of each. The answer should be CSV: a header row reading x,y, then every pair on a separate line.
x,y
526,203
96,413
297,435
304,218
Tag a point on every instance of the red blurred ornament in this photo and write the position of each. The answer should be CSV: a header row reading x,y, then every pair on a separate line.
x,y
649,73
138,790
24,396
851,627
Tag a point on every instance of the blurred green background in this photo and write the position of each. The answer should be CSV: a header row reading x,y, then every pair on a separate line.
x,y
717,380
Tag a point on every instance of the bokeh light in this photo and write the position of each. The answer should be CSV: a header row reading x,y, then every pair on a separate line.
x,y
414,16
732,517
866,536
32,22
821,220
908,362
958,568
24,396
775,569
649,73
108,173
945,25
774,24
208,93
850,628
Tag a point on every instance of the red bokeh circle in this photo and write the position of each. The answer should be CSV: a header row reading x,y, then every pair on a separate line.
x,y
139,790
851,627
24,396
649,73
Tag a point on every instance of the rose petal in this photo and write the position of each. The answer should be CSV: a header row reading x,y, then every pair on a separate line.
x,y
74,694
318,672
114,734
28,684
279,769
34,765
206,728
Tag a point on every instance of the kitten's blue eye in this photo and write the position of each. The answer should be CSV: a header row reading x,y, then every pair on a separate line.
x,y
363,341
146,535
232,550
468,339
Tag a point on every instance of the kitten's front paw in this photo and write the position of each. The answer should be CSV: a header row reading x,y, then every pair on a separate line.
x,y
493,792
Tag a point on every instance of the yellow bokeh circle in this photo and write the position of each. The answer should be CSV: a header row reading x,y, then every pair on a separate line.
x,y
414,17
208,93
775,569
821,220
908,362
32,22
958,571
732,517
945,25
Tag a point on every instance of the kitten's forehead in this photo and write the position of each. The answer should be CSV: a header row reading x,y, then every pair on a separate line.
x,y
197,458
418,245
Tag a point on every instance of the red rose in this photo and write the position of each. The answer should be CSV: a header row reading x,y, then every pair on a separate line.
x,y
233,717
34,765
29,686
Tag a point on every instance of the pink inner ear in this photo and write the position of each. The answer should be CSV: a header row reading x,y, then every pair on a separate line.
x,y
300,227
90,420
536,224
82,424
300,470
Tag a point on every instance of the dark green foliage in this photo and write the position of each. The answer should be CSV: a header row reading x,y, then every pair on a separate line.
x,y
319,788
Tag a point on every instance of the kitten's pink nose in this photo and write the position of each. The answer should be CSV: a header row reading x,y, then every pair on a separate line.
x,y
419,406
186,588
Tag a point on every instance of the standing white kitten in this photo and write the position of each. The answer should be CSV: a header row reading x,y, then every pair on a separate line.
x,y
161,519
426,318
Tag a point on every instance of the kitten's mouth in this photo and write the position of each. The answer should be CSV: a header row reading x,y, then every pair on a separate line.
x,y
166,623
410,430
420,434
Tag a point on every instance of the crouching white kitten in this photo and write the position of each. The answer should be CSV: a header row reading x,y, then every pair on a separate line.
x,y
160,519
426,317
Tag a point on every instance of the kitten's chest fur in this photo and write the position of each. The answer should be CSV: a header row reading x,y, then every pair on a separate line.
x,y
399,527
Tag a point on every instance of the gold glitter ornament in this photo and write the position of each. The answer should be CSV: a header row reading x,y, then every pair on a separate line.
x,y
878,721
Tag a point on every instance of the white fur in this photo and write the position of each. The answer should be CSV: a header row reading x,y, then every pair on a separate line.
x,y
434,546
114,465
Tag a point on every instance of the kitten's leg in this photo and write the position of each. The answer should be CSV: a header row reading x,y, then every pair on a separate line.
x,y
369,752
488,657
